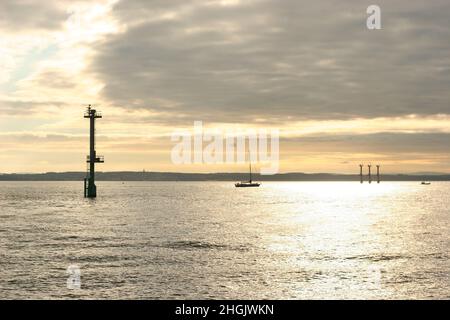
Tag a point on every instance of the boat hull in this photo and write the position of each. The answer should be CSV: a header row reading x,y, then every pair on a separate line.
x,y
247,185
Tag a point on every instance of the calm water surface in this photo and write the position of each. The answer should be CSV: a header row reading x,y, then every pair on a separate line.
x,y
191,240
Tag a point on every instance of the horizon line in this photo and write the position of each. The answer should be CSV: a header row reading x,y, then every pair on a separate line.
x,y
237,172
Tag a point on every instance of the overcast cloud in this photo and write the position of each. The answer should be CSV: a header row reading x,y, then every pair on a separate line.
x,y
284,59
339,93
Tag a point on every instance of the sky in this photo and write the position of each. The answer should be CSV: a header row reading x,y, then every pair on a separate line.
x,y
340,94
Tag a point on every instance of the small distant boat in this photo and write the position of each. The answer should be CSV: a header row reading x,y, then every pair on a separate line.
x,y
249,183
426,183
246,184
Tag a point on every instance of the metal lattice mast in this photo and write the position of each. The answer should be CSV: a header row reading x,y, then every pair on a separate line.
x,y
90,189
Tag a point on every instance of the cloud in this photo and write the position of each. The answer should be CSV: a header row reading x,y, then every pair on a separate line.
x,y
397,152
339,92
277,60
21,15
29,14
43,66
377,143
24,107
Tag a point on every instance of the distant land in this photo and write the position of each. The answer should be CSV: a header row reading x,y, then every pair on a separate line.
x,y
172,176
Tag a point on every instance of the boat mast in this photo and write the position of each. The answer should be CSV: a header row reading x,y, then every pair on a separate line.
x,y
250,172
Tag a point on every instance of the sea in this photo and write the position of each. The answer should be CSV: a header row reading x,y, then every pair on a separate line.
x,y
210,240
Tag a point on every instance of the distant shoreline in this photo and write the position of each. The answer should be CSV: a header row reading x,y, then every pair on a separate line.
x,y
171,176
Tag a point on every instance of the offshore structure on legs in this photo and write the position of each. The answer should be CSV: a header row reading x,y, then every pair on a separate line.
x,y
361,174
90,189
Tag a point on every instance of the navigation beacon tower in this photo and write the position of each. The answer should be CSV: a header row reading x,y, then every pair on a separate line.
x,y
90,189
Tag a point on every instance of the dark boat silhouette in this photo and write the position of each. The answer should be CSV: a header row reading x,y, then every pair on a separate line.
x,y
426,183
249,183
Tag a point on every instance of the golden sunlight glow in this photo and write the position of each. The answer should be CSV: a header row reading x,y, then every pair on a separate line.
x,y
48,73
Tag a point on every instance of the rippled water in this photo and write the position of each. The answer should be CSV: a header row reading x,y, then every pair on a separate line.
x,y
192,240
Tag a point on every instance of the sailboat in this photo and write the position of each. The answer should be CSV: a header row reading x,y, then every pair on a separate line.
x,y
249,183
